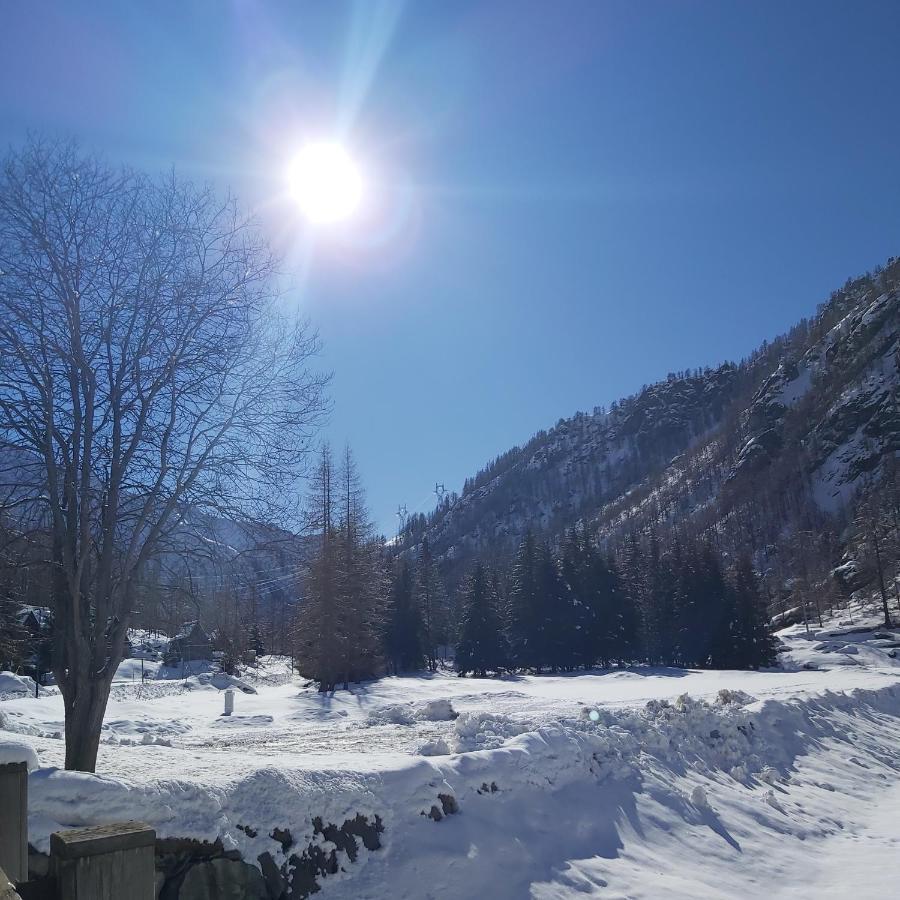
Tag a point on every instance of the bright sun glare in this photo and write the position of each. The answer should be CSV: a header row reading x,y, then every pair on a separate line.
x,y
325,182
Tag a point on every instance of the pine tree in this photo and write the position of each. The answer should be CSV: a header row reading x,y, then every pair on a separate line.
x,y
317,640
339,625
433,605
556,629
745,640
362,584
589,626
702,601
482,647
403,633
660,606
623,619
13,637
526,608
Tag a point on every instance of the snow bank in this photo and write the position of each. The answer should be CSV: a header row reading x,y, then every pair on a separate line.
x,y
17,752
217,681
16,684
440,710
745,742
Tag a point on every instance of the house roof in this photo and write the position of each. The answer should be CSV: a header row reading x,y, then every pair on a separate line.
x,y
190,630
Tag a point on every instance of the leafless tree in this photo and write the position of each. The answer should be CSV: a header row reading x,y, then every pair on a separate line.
x,y
146,380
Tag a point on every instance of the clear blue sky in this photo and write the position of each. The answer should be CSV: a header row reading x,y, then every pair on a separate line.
x,y
574,198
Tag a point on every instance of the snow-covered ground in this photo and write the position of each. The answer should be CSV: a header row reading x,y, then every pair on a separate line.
x,y
632,783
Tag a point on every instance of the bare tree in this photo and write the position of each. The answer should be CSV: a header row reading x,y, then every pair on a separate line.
x,y
872,529
146,380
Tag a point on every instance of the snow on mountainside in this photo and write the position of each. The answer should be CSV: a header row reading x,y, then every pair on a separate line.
x,y
814,412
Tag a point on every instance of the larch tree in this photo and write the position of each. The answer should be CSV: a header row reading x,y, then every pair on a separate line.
x,y
146,379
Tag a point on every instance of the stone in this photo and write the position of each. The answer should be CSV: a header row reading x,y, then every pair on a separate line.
x,y
7,891
275,882
38,864
223,879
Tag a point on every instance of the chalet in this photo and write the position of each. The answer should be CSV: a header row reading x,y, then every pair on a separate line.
x,y
191,643
35,620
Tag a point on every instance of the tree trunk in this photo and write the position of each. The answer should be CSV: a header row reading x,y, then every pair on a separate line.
x,y
884,599
85,701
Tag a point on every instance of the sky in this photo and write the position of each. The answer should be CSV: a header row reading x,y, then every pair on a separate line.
x,y
564,201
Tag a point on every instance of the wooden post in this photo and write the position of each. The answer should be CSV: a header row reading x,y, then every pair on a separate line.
x,y
14,821
106,862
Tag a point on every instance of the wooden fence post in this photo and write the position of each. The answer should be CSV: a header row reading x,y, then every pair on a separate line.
x,y
14,820
106,862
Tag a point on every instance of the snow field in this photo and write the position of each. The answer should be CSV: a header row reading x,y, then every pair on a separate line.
x,y
681,784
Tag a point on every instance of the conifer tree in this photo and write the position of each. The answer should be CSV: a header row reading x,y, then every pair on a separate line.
x,y
362,584
556,631
482,646
623,620
403,634
526,608
589,626
433,606
316,638
339,626
702,601
744,639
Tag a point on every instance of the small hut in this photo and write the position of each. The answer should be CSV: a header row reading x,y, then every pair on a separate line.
x,y
191,643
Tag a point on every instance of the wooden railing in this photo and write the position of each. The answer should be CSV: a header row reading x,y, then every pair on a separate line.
x,y
104,862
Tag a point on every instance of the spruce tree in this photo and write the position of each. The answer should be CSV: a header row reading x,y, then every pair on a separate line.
x,y
588,624
526,608
433,605
623,620
403,632
750,640
556,631
482,646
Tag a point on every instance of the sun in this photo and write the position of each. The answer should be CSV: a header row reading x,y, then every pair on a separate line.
x,y
325,182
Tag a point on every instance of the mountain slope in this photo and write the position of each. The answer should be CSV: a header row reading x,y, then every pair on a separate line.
x,y
757,450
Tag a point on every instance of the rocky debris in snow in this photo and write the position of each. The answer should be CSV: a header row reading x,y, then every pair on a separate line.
x,y
727,697
698,797
324,855
223,879
284,837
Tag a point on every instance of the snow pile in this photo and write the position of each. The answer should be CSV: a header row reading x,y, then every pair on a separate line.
x,y
216,681
644,782
440,710
17,752
862,642
483,731
558,786
16,684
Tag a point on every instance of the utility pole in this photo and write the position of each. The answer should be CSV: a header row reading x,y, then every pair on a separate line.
x,y
402,516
